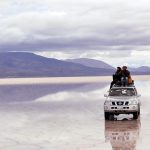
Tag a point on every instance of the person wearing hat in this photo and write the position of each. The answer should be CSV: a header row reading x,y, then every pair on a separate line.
x,y
116,77
125,74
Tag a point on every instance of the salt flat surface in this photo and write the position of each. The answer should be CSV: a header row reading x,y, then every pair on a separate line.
x,y
69,117
64,80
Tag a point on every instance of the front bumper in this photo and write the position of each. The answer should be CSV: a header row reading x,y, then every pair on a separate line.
x,y
121,109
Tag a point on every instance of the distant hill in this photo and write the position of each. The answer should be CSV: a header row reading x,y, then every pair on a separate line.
x,y
23,64
91,63
140,70
143,70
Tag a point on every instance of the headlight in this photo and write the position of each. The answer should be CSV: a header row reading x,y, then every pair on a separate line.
x,y
133,102
107,103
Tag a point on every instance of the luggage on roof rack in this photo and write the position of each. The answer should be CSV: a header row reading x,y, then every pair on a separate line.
x,y
118,84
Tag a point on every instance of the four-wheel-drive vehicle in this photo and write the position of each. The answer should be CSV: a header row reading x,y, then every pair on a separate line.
x,y
122,100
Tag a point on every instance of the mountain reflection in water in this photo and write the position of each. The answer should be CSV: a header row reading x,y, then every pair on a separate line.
x,y
18,93
69,117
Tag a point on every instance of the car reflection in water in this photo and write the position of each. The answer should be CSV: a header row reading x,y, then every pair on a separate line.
x,y
122,135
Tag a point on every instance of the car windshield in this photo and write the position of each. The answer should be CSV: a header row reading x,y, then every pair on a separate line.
x,y
122,92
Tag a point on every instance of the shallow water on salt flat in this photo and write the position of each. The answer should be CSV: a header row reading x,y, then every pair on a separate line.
x,y
68,116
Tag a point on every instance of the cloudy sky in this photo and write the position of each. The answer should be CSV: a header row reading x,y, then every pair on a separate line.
x,y
116,31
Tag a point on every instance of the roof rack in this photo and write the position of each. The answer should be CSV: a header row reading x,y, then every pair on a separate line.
x,y
129,85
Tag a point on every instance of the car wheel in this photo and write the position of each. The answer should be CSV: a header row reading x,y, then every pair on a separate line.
x,y
135,115
106,115
139,111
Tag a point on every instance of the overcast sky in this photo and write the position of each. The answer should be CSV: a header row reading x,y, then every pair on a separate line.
x,y
116,31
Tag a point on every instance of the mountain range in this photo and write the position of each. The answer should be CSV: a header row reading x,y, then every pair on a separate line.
x,y
24,64
91,63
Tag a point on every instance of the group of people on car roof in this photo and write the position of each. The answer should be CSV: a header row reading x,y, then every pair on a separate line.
x,y
121,77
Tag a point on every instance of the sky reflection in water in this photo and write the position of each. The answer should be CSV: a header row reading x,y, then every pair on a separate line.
x,y
68,117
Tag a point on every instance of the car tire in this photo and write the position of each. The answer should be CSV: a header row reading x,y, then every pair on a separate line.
x,y
106,114
139,111
135,115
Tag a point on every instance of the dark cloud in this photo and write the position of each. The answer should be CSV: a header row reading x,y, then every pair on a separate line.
x,y
75,25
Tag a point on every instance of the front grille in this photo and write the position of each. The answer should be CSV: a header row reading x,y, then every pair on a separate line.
x,y
126,103
120,103
113,103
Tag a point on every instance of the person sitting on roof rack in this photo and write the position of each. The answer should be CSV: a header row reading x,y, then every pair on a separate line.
x,y
125,74
116,77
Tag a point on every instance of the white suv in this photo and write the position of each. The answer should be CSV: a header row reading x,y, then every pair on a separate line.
x,y
122,100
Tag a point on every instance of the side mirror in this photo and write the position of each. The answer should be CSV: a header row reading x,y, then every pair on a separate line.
x,y
105,95
139,95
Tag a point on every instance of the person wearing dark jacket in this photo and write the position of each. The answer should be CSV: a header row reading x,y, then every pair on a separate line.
x,y
116,77
124,76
